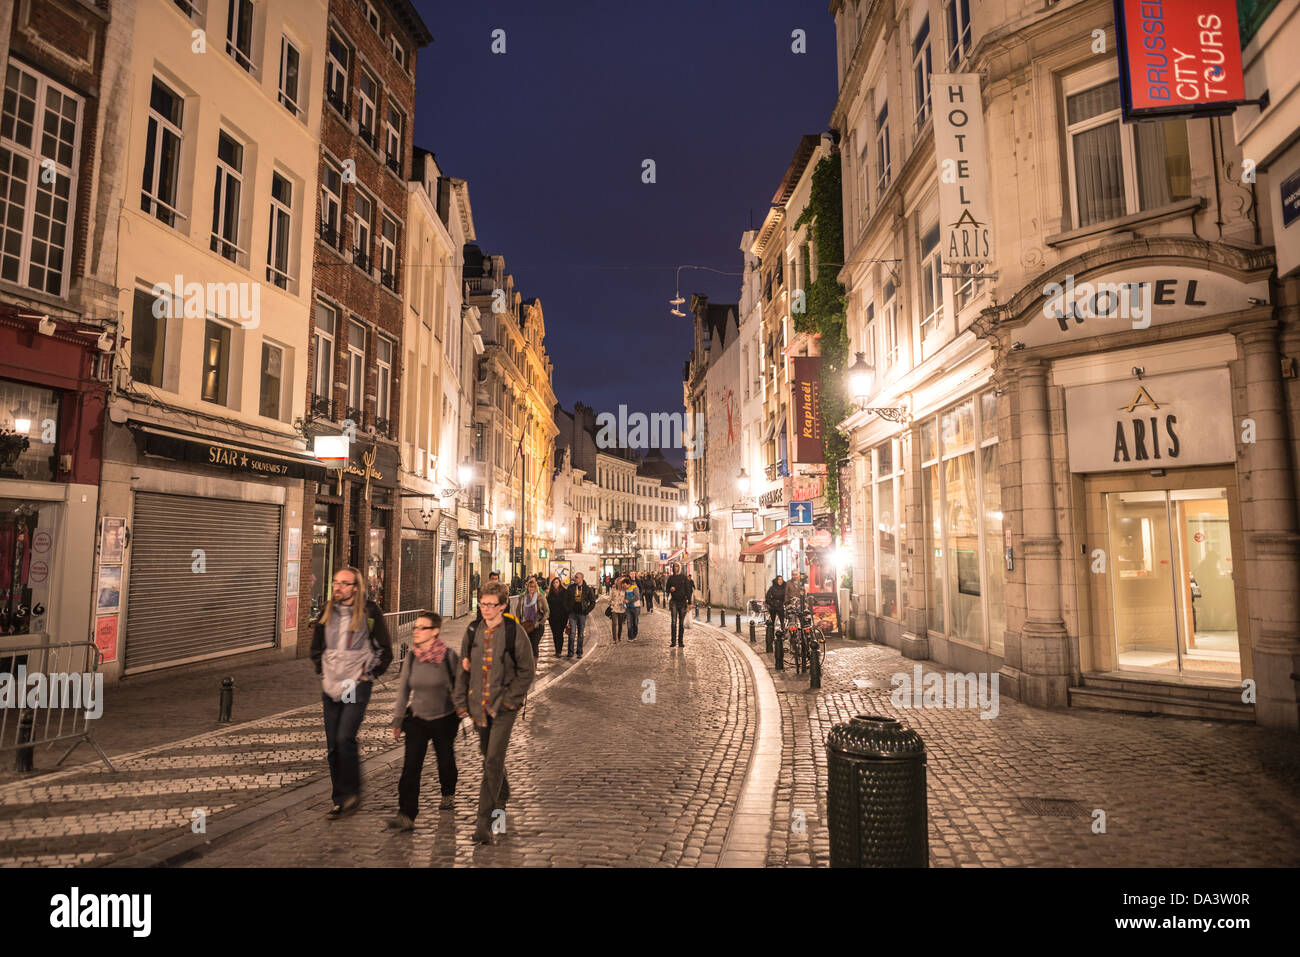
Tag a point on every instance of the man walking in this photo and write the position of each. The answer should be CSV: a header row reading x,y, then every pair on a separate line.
x,y
497,669
679,596
649,586
582,599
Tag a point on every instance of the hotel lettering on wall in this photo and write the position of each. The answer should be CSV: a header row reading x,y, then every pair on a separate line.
x,y
806,404
1178,57
1163,421
965,214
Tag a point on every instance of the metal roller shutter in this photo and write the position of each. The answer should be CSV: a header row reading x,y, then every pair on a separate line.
x,y
175,614
417,571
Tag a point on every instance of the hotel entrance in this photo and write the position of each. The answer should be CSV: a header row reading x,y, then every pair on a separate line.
x,y
1166,590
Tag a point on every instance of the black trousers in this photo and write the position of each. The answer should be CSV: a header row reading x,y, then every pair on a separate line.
x,y
557,632
442,731
677,623
535,637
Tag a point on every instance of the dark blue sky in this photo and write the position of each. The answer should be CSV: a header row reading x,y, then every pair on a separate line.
x,y
551,137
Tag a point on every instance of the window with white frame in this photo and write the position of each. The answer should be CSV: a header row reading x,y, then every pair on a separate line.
x,y
394,126
290,64
336,72
272,384
388,252
226,196
956,17
399,51
323,375
922,68
965,291
1118,169
372,15
363,211
883,168
162,155
331,205
239,33
149,315
383,382
864,184
931,284
216,362
867,339
281,231
356,369
891,343
39,129
191,8
367,105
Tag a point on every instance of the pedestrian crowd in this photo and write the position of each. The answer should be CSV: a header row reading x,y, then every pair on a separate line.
x,y
487,679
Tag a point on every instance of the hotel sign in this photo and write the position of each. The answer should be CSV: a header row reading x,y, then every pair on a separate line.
x,y
806,405
1163,421
1178,57
965,214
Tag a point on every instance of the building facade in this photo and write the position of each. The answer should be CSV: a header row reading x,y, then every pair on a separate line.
x,y
1075,459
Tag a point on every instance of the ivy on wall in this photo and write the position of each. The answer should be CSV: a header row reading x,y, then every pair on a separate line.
x,y
825,316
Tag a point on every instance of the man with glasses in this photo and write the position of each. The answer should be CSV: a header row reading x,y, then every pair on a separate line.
x,y
350,647
497,669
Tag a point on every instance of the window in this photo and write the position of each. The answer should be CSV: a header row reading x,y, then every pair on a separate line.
x,y
336,73
367,103
388,252
363,211
931,284
868,341
864,181
38,149
956,14
921,70
372,15
272,378
383,383
331,205
394,125
216,362
891,346
889,530
239,33
1118,169
277,249
290,61
356,369
225,197
323,380
162,154
969,287
882,147
399,51
191,9
149,337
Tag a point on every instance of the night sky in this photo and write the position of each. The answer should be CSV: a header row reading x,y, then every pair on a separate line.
x,y
552,135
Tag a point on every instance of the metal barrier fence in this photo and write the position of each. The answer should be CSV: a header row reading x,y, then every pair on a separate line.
x,y
401,628
48,694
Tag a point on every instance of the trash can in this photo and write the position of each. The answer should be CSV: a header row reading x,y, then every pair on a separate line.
x,y
876,800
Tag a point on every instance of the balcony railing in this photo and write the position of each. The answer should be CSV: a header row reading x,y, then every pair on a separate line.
x,y
388,279
339,100
353,414
394,163
322,405
384,427
361,259
331,236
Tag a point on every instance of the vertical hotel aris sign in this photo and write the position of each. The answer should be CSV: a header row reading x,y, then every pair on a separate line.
x,y
806,404
965,214
1178,57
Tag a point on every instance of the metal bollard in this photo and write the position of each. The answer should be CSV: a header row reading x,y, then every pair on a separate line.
x,y
771,626
697,611
875,799
751,624
722,618
708,614
779,647
752,637
227,702
24,757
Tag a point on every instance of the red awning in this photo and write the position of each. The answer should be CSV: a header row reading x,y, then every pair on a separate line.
x,y
675,556
754,553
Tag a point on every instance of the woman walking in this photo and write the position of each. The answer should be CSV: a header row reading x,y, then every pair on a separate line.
x,y
426,712
558,612
530,610
350,648
617,609
632,606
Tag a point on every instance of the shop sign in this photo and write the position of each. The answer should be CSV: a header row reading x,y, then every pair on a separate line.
x,y
806,488
236,458
772,497
1134,298
806,404
1178,57
1290,190
1164,421
965,213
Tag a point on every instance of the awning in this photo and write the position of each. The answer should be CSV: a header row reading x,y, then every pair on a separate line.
x,y
673,557
754,553
235,456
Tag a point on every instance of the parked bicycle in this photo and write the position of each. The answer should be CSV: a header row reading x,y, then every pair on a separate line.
x,y
805,639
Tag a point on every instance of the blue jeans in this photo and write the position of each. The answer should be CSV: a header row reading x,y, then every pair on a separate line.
x,y
633,621
342,722
577,627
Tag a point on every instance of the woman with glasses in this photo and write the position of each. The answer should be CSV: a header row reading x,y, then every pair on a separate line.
x,y
350,648
531,610
426,712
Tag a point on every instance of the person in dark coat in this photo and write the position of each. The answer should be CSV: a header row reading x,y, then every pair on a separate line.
x,y
775,599
557,602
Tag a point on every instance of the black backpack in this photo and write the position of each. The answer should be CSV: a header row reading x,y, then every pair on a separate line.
x,y
510,645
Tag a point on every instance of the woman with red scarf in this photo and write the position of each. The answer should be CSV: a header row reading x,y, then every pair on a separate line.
x,y
426,713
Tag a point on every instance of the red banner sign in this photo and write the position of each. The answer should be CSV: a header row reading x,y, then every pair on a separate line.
x,y
806,406
1179,57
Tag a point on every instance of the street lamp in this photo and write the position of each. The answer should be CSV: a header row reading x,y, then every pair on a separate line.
x,y
681,511
862,378
23,417
510,515
742,482
465,473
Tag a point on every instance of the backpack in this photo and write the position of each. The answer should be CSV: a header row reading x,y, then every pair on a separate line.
x,y
510,645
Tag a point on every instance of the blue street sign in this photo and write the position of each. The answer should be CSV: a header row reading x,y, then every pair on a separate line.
x,y
663,556
801,513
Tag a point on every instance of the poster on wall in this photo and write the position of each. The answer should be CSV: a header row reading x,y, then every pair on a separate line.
x,y
112,541
294,543
291,613
825,615
560,570
106,638
110,589
291,578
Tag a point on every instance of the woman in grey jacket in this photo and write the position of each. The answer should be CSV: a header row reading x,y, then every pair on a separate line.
x,y
426,712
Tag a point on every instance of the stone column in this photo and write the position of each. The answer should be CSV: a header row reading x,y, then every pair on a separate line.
x,y
1043,654
1268,504
916,634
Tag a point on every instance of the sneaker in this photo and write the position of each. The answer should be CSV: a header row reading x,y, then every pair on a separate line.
x,y
447,803
401,822
334,812
580,656
349,805
482,835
